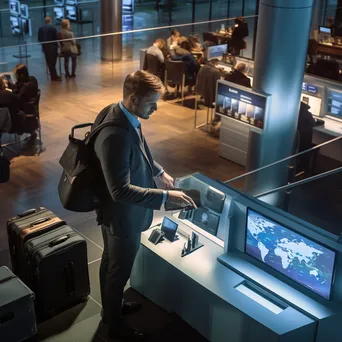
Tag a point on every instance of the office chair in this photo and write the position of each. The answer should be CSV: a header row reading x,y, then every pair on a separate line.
x,y
174,74
327,69
33,121
153,65
5,127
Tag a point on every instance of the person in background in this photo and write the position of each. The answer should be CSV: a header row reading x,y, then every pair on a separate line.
x,y
9,100
68,48
47,33
238,76
306,122
239,33
331,24
195,44
172,41
26,88
157,49
128,194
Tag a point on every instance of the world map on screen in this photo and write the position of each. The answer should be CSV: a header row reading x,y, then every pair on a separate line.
x,y
295,256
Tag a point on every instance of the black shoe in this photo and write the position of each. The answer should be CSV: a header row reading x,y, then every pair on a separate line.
x,y
56,79
129,308
73,76
126,333
67,76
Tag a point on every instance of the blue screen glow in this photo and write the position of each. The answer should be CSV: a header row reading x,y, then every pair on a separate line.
x,y
299,258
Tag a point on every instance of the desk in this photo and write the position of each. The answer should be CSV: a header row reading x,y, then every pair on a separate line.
x,y
330,130
222,38
329,49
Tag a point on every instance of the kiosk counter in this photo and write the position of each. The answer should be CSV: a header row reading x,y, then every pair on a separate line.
x,y
261,274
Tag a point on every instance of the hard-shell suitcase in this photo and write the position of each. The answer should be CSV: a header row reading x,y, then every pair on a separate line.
x,y
25,226
60,269
17,315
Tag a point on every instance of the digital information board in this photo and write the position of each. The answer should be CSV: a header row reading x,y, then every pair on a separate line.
x,y
240,103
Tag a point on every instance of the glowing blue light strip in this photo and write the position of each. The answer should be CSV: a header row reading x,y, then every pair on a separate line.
x,y
259,299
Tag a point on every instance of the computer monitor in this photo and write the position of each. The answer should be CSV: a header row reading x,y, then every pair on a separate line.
x,y
206,220
335,105
15,25
216,51
59,13
324,30
299,258
71,12
315,103
128,6
24,11
14,7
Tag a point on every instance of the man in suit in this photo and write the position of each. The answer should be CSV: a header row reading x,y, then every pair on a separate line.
x,y
238,76
47,33
130,194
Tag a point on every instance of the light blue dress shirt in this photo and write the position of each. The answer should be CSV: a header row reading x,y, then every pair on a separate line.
x,y
136,123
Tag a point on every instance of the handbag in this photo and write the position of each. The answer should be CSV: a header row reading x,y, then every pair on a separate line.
x,y
4,167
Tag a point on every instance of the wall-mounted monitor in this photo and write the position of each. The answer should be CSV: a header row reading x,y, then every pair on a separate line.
x,y
14,7
59,13
315,103
58,2
71,12
15,25
24,11
335,104
128,6
301,259
216,51
240,103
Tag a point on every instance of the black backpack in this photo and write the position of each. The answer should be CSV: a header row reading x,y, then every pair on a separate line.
x,y
77,185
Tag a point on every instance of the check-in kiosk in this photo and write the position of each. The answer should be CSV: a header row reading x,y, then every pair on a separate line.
x,y
261,273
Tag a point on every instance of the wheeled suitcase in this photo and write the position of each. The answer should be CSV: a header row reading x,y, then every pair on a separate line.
x,y
60,269
25,226
17,315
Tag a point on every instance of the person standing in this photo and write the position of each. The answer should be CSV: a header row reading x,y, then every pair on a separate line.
x,y
68,48
48,33
128,194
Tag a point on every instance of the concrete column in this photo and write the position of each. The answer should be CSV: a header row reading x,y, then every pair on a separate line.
x,y
281,46
111,21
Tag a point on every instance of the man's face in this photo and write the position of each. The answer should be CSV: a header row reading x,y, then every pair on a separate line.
x,y
144,106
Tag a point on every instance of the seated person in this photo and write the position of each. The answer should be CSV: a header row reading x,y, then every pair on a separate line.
x,y
9,100
157,49
195,44
238,76
172,41
26,89
191,66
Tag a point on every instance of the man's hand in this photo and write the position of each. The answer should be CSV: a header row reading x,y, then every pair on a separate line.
x,y
179,198
167,180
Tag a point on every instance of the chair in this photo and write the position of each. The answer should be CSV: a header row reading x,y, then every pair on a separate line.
x,y
328,69
174,74
36,115
153,65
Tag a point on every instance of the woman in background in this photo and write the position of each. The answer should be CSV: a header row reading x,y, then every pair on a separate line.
x,y
68,48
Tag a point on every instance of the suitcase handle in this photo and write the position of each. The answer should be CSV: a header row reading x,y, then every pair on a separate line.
x,y
59,240
39,221
28,212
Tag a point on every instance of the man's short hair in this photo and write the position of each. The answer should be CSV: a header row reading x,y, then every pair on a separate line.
x,y
48,20
141,83
242,67
160,41
174,32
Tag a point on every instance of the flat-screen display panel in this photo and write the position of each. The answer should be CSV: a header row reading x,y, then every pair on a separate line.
x,y
58,2
24,11
216,51
303,260
15,25
14,7
335,104
59,13
71,12
325,30
240,103
169,228
315,103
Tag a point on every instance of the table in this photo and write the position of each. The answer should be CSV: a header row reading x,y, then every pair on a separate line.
x,y
329,49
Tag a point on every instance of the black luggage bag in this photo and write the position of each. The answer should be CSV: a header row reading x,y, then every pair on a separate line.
x,y
23,227
60,269
17,315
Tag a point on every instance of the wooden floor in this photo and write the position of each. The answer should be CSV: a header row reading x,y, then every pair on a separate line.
x,y
174,142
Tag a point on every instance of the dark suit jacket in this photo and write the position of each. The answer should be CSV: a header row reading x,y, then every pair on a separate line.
x,y
129,170
48,33
206,83
27,92
305,127
238,78
239,33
